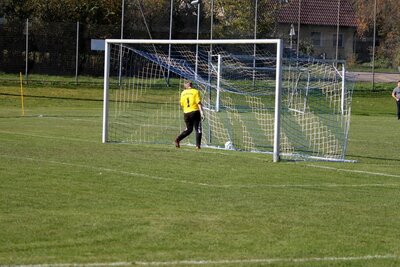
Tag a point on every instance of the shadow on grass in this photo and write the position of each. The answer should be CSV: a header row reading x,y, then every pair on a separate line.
x,y
50,116
55,97
360,157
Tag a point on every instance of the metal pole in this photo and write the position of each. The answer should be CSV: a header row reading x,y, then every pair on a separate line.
x,y
219,71
212,23
122,18
26,49
337,34
122,37
373,48
277,116
105,92
197,38
255,46
170,37
210,54
209,69
298,29
77,53
343,102
211,46
255,19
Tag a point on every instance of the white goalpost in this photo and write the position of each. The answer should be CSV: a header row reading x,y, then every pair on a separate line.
x,y
254,98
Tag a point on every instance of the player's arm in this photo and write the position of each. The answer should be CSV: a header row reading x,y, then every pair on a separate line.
x,y
394,96
201,111
198,100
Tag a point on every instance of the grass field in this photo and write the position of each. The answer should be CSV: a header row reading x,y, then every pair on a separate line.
x,y
66,199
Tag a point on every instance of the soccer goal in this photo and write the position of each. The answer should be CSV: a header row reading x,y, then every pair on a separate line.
x,y
254,98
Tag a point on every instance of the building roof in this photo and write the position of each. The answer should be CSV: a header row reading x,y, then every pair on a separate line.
x,y
318,12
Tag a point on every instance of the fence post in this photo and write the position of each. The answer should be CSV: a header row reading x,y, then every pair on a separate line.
x,y
337,34
26,49
298,30
77,53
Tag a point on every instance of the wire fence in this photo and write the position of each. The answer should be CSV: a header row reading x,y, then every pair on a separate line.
x,y
76,50
67,49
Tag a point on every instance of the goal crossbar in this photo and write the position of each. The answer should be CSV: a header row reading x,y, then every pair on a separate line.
x,y
193,41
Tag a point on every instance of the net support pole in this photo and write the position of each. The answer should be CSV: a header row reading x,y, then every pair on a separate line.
x,y
278,86
217,98
344,111
106,89
343,89
77,53
255,46
26,49
197,38
170,37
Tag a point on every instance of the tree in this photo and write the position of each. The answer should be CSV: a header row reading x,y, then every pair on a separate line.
x,y
236,18
148,18
387,23
16,9
87,11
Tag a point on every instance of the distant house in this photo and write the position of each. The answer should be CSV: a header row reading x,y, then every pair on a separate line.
x,y
318,20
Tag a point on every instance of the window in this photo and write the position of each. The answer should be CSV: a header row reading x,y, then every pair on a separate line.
x,y
340,41
316,38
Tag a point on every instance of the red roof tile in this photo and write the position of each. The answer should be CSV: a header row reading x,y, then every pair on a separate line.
x,y
318,12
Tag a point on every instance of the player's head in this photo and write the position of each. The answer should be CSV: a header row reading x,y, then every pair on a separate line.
x,y
188,84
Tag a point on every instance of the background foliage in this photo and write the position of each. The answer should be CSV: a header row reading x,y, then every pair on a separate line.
x,y
387,14
232,18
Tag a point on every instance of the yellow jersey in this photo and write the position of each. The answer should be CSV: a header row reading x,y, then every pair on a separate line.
x,y
190,98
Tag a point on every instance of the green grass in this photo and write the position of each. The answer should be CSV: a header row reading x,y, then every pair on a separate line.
x,y
67,198
53,80
368,88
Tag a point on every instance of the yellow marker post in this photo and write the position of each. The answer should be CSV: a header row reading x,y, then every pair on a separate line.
x,y
22,95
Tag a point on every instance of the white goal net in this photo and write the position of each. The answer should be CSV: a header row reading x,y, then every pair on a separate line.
x,y
254,98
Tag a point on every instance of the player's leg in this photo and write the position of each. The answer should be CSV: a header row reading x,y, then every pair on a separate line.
x,y
398,110
188,117
198,129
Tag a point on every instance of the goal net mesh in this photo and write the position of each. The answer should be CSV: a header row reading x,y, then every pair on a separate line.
x,y
237,85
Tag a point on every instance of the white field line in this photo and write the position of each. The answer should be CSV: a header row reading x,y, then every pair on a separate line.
x,y
99,121
354,171
267,261
107,264
100,170
51,137
61,117
216,262
227,154
220,152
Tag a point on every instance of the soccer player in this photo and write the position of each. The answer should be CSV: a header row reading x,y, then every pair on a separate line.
x,y
396,95
192,113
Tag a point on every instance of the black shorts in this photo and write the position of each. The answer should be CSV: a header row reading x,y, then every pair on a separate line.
x,y
192,117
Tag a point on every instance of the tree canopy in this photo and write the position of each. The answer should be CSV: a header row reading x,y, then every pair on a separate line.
x,y
231,18
387,14
89,11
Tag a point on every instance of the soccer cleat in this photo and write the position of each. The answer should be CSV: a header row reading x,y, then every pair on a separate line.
x,y
177,145
197,147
